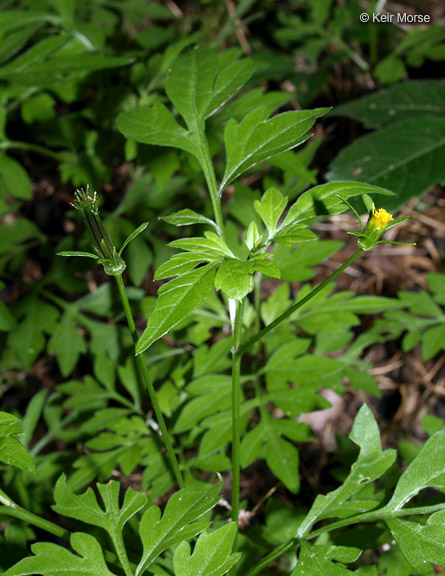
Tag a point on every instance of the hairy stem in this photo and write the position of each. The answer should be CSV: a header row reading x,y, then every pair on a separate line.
x,y
149,384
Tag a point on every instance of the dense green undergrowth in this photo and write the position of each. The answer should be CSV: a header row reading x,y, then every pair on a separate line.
x,y
172,446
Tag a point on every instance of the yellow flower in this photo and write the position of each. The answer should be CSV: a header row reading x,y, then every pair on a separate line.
x,y
381,218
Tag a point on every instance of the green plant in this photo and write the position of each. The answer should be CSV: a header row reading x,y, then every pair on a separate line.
x,y
401,109
220,421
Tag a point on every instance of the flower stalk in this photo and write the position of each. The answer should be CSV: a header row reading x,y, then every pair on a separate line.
x,y
114,265
107,254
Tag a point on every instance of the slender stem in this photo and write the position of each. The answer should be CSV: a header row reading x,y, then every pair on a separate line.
x,y
149,384
209,174
373,516
243,349
236,428
31,147
271,557
10,508
119,546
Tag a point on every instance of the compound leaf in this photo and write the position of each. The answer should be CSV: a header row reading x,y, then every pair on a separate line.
x,y
233,279
156,126
12,452
197,88
313,560
321,201
428,469
371,463
187,217
212,555
53,560
420,545
270,208
85,506
190,84
178,522
257,138
176,299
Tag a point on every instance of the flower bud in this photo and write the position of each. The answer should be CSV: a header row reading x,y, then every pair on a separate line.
x,y
112,262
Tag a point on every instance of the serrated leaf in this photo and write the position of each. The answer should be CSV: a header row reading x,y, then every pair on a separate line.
x,y
321,201
371,463
67,343
229,80
85,506
263,265
178,522
156,126
180,264
198,88
270,208
211,556
211,245
187,217
190,84
388,158
233,279
399,102
53,560
428,469
257,138
176,299
292,234
421,545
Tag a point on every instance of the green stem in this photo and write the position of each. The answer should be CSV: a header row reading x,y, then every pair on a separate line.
x,y
8,144
369,517
209,175
119,546
149,384
10,508
243,349
236,427
271,557
375,516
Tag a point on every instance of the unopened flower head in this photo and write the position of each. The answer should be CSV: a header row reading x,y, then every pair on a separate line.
x,y
83,201
108,256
